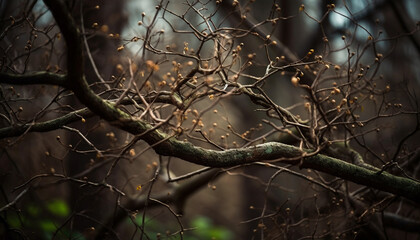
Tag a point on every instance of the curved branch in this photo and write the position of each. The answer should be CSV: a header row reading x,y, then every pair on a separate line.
x,y
75,69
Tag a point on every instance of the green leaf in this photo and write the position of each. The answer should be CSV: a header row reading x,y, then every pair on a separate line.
x,y
33,210
219,233
14,222
58,208
47,226
201,223
204,229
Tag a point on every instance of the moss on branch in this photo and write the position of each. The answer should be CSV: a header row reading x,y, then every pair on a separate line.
x,y
270,151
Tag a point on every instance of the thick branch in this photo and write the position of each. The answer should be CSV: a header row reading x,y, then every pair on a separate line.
x,y
34,78
75,70
273,150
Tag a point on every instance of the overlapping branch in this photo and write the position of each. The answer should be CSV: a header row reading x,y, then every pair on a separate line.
x,y
187,151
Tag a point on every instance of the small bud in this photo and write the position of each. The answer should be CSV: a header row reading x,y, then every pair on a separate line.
x,y
301,8
104,28
295,81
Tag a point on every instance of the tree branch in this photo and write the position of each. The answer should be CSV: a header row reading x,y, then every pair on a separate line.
x,y
34,78
396,221
46,126
186,151
177,196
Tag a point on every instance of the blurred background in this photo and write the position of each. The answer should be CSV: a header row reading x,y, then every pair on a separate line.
x,y
378,39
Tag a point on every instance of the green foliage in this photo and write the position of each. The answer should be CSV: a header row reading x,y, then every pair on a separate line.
x,y
43,221
58,208
199,228
204,229
33,210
